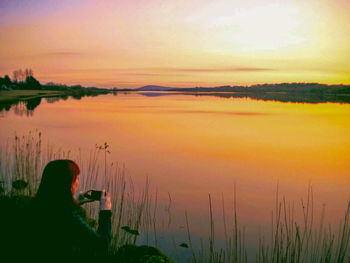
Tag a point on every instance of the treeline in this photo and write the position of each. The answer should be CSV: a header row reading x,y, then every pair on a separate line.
x,y
314,88
22,79
75,91
25,80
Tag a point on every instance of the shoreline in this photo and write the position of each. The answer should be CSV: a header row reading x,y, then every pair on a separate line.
x,y
13,96
17,95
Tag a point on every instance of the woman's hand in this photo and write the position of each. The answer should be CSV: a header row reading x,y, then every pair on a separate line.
x,y
82,198
105,201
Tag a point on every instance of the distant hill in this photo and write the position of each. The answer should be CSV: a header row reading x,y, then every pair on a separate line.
x,y
285,92
153,88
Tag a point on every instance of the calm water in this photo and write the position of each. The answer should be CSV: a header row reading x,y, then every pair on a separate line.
x,y
191,146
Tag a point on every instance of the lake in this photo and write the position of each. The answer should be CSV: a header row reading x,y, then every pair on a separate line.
x,y
191,146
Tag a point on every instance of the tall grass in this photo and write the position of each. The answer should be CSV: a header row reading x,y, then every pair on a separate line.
x,y
305,242
25,157
290,240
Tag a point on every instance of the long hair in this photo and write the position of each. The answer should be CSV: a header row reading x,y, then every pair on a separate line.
x,y
55,189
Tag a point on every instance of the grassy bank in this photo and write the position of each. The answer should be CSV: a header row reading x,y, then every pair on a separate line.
x,y
32,98
291,239
24,87
17,95
13,96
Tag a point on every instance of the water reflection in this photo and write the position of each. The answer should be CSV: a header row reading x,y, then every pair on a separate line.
x,y
32,104
190,146
27,107
264,96
21,108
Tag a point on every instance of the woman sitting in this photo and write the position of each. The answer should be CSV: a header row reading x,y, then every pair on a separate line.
x,y
55,227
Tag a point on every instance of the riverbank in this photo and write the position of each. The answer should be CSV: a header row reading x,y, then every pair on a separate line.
x,y
283,92
32,98
16,95
23,95
28,88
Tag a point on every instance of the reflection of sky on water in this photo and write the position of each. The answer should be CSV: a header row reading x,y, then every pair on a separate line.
x,y
31,104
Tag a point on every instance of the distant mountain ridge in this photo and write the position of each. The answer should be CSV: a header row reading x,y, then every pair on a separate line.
x,y
293,92
280,87
154,88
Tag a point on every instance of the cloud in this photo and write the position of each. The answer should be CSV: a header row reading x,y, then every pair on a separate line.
x,y
49,54
215,112
136,74
157,71
213,70
61,54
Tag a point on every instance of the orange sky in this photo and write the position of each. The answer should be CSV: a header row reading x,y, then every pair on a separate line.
x,y
185,43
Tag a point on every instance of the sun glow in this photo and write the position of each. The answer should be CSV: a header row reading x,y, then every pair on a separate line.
x,y
268,27
129,44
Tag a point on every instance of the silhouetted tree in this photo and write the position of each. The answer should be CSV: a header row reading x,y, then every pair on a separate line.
x,y
21,76
15,76
28,73
32,83
7,80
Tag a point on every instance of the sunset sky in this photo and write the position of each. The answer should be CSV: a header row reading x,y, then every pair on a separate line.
x,y
185,43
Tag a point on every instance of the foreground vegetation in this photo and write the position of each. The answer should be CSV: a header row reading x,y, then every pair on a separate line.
x,y
135,212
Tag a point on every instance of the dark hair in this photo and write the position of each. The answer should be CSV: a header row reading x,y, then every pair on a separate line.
x,y
55,189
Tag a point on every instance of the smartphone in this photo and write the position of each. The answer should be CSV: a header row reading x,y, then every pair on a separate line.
x,y
94,195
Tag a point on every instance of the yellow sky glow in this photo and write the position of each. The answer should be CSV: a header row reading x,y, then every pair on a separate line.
x,y
179,43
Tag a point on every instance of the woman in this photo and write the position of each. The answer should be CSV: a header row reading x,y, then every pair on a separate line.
x,y
56,229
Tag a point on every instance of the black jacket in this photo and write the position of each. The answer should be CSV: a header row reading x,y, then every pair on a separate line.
x,y
52,233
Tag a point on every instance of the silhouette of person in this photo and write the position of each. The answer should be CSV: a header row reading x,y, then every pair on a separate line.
x,y
55,227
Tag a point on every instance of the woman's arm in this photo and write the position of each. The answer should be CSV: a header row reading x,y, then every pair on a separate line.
x,y
87,239
104,225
